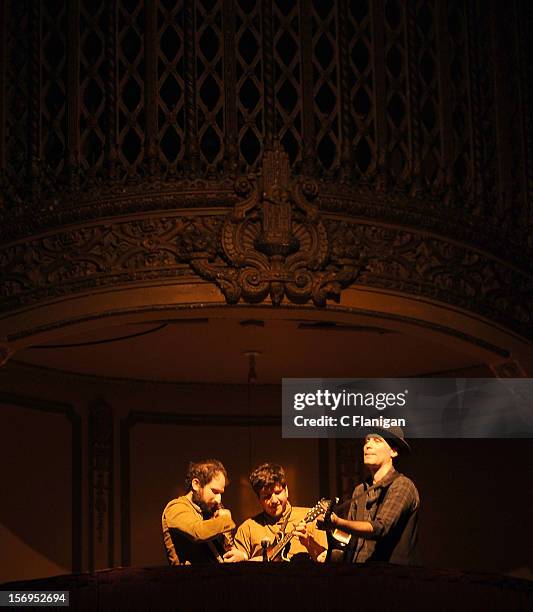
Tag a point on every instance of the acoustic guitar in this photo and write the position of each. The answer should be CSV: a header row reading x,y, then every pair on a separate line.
x,y
337,539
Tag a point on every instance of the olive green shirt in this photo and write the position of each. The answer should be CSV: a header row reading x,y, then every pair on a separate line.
x,y
186,533
253,530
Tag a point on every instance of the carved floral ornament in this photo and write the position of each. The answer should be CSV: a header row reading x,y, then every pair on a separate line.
x,y
276,244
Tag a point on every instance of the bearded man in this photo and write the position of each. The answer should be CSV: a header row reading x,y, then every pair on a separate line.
x,y
196,528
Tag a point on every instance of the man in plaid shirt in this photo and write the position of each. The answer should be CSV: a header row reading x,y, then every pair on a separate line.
x,y
383,514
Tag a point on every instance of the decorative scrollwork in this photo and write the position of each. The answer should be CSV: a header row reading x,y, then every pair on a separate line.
x,y
274,243
278,243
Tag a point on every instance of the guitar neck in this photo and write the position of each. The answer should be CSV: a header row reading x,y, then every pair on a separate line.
x,y
329,511
280,546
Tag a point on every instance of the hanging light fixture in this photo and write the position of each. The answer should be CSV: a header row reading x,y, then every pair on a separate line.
x,y
252,379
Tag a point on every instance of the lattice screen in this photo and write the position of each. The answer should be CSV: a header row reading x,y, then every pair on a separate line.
x,y
399,93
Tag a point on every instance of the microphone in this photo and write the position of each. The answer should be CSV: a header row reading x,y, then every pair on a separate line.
x,y
264,545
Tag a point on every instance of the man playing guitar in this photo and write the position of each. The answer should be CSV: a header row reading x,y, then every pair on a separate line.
x,y
383,515
278,521
196,528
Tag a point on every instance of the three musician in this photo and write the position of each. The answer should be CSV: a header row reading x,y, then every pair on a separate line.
x,y
381,524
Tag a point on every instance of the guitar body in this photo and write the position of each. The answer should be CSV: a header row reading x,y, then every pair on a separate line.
x,y
279,551
337,539
279,556
336,548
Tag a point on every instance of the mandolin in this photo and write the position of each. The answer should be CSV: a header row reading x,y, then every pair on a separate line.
x,y
279,550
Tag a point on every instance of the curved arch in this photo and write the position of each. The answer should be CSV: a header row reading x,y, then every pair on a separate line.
x,y
72,315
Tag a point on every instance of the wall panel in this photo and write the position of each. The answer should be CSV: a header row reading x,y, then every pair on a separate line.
x,y
40,474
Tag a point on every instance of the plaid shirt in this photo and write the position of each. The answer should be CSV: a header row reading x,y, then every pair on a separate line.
x,y
392,509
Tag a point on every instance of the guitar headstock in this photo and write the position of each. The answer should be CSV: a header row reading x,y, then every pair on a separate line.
x,y
321,507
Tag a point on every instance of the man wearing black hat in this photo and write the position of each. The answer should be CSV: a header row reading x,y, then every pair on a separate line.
x,y
383,513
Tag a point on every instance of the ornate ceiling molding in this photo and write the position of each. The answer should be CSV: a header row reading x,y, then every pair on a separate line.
x,y
242,250
423,210
276,244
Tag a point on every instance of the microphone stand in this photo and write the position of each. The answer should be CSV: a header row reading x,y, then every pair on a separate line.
x,y
264,545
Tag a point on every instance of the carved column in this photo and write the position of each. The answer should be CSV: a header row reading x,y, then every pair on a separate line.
x,y
192,152
34,86
309,140
475,61
378,57
230,87
111,91
413,46
3,87
150,55
445,177
346,156
524,20
73,102
101,534
268,72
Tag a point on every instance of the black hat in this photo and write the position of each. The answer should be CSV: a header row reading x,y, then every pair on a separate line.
x,y
394,437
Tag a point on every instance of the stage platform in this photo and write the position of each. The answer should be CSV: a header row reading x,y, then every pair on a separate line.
x,y
278,587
